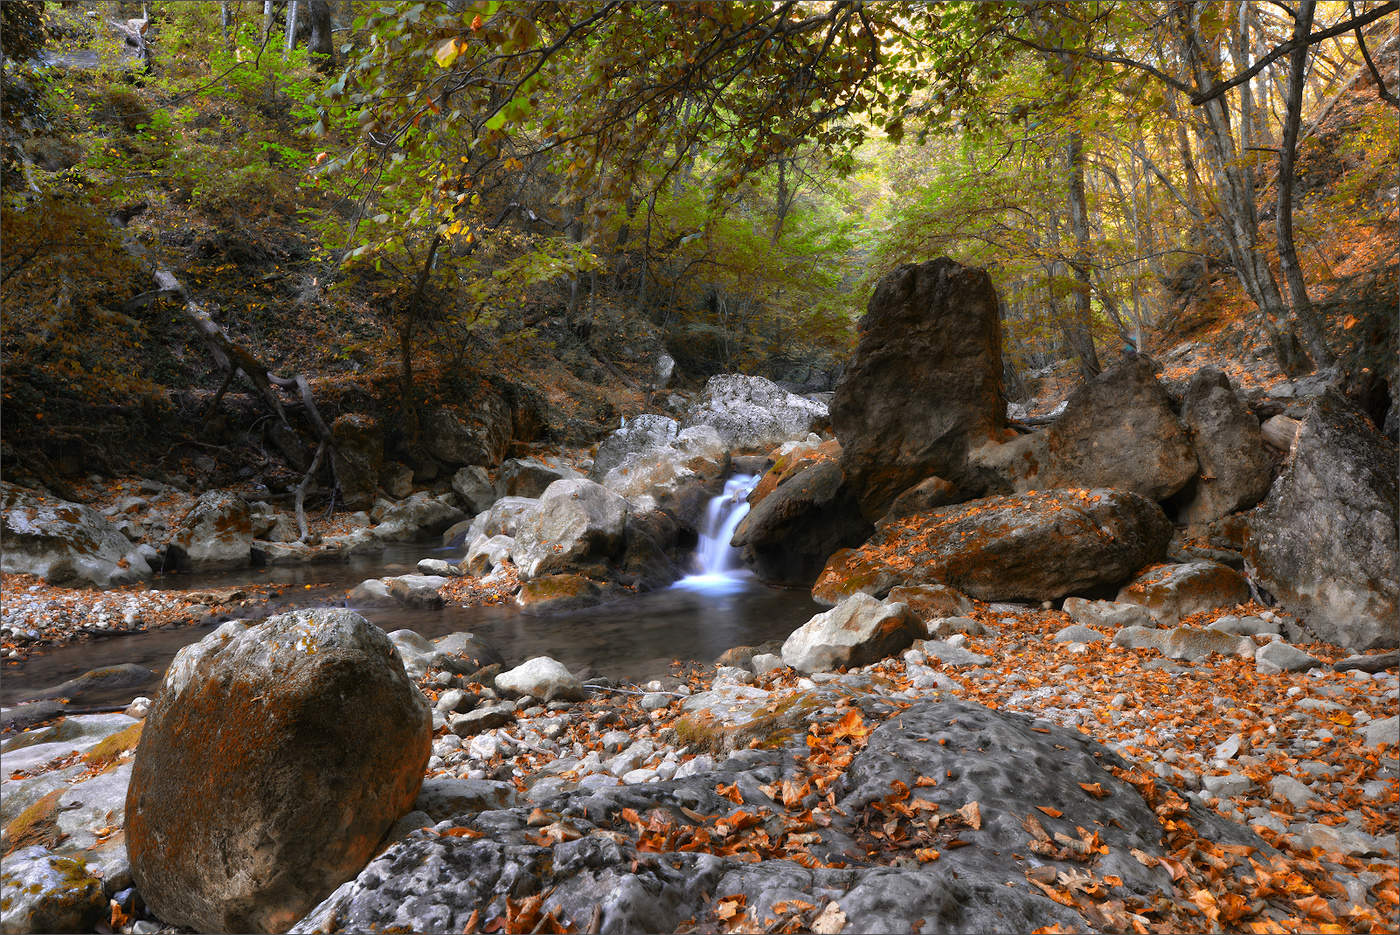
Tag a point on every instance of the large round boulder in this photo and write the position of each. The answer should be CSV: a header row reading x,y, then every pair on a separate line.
x,y
753,413
270,766
479,436
63,542
924,384
1032,546
217,532
577,525
1117,430
1170,593
1235,467
1324,541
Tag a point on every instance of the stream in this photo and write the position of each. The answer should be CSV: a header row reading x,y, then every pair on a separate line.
x,y
720,606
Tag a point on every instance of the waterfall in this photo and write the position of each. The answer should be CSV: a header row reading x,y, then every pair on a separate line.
x,y
717,562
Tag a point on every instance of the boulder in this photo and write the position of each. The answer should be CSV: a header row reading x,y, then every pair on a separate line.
x,y
1234,466
419,515
856,632
272,763
64,542
1033,546
1117,430
1107,614
578,523
550,594
928,494
486,553
1188,644
541,677
932,601
792,458
473,487
479,437
638,434
358,457
924,384
752,413
528,477
1278,656
1324,540
1171,593
217,532
660,477
44,892
788,537
416,590
396,479
503,518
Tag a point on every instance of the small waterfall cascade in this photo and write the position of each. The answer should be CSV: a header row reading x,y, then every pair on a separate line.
x,y
716,560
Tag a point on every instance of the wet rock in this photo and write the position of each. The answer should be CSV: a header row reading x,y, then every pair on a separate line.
x,y
473,486
98,681
541,677
1173,592
438,567
46,892
372,592
1107,614
21,716
63,542
1325,539
529,477
358,457
1037,546
578,524
751,412
551,594
923,385
1281,657
1235,469
224,830
416,590
858,631
788,536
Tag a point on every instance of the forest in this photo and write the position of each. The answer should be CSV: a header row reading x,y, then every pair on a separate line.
x,y
803,465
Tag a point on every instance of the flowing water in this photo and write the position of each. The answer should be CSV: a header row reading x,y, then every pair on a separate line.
x,y
719,606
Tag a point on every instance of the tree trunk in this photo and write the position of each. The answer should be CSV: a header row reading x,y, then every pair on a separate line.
x,y
1079,329
321,45
291,25
268,15
1303,311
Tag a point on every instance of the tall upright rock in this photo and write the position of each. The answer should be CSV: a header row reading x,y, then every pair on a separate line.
x,y
1324,541
924,385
